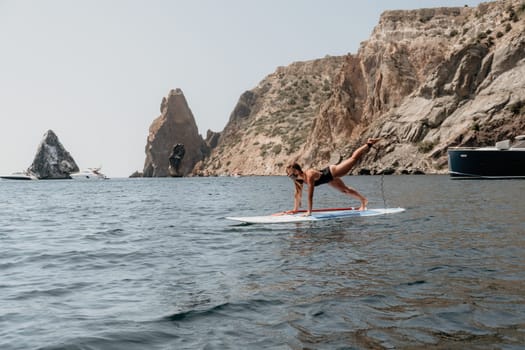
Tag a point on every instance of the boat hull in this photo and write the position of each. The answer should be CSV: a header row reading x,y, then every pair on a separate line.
x,y
16,177
23,175
88,174
87,177
489,164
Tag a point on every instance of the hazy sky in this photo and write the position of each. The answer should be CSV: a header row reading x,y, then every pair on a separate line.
x,y
95,71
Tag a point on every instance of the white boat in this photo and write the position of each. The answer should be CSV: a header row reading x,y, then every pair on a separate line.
x,y
22,175
89,174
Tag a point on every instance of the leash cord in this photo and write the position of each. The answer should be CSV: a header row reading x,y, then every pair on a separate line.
x,y
383,189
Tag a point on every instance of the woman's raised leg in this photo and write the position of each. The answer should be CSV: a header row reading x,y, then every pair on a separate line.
x,y
344,167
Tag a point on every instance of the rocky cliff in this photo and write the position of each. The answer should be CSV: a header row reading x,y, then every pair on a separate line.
x,y
175,126
425,80
270,123
52,161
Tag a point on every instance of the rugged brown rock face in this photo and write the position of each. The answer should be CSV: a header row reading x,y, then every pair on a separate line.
x,y
425,80
477,85
52,161
175,125
271,122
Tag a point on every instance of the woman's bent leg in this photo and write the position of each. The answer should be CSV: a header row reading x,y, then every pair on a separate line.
x,y
338,184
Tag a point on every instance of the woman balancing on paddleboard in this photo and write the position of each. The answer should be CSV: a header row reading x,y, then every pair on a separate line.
x,y
331,175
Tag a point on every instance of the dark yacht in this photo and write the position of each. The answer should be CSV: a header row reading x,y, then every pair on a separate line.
x,y
502,161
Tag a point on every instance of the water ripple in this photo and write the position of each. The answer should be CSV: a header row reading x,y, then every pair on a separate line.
x,y
152,264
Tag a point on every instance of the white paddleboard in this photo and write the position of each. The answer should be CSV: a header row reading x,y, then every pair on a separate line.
x,y
317,215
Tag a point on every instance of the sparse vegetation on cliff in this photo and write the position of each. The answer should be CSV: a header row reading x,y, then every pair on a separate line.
x,y
517,108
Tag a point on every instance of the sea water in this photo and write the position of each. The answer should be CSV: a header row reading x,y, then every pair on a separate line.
x,y
153,264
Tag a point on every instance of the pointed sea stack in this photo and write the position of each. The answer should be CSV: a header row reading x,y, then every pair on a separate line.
x,y
176,125
52,161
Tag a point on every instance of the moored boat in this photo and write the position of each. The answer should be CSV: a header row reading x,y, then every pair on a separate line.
x,y
501,161
22,175
89,174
